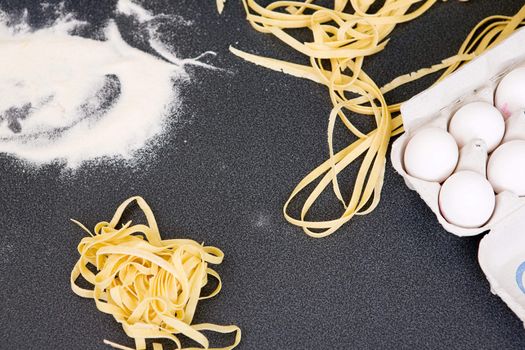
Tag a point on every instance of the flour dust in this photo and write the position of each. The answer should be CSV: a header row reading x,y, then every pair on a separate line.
x,y
73,99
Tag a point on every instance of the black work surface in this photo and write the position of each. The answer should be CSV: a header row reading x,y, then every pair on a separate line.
x,y
392,279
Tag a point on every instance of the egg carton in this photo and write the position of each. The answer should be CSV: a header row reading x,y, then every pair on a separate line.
x,y
476,81
501,256
502,251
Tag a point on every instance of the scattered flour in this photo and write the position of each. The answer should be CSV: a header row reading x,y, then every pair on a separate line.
x,y
129,8
74,99
143,16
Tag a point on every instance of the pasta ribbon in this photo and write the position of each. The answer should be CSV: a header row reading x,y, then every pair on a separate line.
x,y
149,285
220,5
341,40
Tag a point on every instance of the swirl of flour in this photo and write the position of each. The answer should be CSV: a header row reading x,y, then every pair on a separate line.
x,y
72,99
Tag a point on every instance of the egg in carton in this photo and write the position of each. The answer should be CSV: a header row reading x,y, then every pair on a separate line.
x,y
434,107
502,251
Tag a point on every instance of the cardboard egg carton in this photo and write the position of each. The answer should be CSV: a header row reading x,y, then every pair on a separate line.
x,y
501,256
501,252
476,81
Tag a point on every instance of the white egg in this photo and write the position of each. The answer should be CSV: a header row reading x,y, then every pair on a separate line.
x,y
515,126
478,120
506,168
510,94
431,155
467,199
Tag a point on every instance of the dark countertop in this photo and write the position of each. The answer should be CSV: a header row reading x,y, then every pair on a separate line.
x,y
390,280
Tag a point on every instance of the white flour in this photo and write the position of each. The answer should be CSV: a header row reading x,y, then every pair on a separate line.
x,y
129,8
74,99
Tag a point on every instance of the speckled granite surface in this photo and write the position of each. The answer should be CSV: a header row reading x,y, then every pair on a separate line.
x,y
391,280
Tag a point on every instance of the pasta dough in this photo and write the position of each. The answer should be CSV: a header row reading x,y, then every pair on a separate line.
x,y
341,41
151,286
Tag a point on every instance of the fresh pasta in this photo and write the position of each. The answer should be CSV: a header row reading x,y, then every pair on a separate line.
x,y
220,5
149,285
341,42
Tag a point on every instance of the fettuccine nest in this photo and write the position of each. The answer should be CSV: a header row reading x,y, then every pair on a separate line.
x,y
150,285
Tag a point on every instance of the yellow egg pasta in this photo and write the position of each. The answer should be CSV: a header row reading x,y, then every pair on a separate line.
x,y
341,40
149,285
220,5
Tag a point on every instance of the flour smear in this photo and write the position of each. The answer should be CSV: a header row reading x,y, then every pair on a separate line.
x,y
72,99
